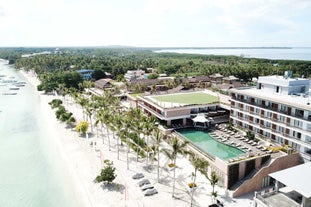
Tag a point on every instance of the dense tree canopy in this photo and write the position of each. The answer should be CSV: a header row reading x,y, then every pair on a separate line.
x,y
118,60
52,81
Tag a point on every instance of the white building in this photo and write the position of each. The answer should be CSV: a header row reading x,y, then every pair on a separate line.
x,y
277,109
292,188
135,75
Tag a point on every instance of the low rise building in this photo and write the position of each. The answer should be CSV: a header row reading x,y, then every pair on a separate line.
x,y
131,75
292,188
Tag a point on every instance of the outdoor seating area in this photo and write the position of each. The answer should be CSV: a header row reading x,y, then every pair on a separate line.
x,y
240,141
144,184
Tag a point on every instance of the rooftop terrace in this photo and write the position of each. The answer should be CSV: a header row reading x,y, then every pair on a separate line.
x,y
184,99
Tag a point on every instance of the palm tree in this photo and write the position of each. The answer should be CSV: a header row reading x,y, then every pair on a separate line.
x,y
116,126
105,118
177,147
214,180
127,121
199,164
157,139
148,126
82,101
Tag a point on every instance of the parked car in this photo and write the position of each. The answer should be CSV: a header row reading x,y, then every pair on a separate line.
x,y
150,192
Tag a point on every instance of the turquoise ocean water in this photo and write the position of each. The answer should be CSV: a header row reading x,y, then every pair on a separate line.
x,y
32,172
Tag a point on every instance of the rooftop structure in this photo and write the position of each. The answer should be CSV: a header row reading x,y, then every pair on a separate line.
x,y
86,73
292,188
131,75
103,83
180,108
277,109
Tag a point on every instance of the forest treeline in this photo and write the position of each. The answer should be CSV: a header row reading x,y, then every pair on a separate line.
x,y
118,60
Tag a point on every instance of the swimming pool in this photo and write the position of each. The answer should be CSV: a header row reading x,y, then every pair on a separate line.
x,y
209,145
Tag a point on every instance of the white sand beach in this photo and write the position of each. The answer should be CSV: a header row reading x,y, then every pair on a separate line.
x,y
84,163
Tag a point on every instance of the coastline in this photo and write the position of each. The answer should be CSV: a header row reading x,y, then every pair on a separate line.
x,y
83,164
56,134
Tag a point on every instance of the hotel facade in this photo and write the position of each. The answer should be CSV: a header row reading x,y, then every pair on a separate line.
x,y
278,109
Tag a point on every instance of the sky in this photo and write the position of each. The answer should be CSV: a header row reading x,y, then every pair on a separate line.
x,y
155,23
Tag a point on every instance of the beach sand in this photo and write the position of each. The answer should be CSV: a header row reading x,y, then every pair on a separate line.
x,y
84,163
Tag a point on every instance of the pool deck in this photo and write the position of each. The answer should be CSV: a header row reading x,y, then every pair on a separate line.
x,y
238,140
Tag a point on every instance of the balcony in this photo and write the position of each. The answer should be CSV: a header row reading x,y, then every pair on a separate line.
x,y
272,109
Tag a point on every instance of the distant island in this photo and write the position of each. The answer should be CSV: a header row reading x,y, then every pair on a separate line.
x,y
176,48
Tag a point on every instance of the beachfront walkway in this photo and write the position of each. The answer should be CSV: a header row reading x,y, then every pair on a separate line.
x,y
85,163
127,193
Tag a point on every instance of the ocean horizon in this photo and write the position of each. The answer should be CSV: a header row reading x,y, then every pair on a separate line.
x,y
273,53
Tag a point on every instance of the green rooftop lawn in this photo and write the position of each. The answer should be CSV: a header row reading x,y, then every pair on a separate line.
x,y
134,95
188,98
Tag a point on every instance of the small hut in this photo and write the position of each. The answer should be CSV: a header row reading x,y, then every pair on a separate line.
x,y
200,121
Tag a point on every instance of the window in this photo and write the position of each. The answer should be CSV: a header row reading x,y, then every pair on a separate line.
x,y
269,114
268,124
247,108
283,108
299,113
297,134
297,123
282,118
281,129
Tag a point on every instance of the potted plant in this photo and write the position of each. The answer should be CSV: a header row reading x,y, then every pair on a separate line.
x,y
191,186
171,166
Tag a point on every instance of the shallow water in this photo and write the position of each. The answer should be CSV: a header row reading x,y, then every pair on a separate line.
x,y
32,170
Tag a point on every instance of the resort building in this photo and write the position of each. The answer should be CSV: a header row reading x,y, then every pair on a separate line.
x,y
216,78
178,109
104,83
131,75
241,164
278,109
292,188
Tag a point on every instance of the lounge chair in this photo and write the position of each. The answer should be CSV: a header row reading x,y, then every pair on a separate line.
x,y
150,192
146,187
143,182
138,176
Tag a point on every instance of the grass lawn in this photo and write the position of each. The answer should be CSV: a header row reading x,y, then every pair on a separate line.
x,y
134,95
188,98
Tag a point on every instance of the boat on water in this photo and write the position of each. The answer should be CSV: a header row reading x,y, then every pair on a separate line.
x,y
14,88
19,85
8,81
21,82
9,93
